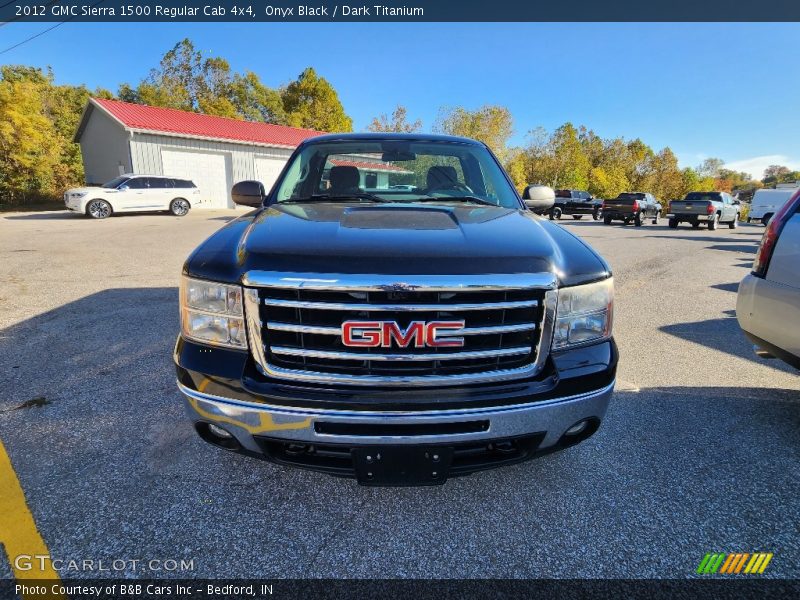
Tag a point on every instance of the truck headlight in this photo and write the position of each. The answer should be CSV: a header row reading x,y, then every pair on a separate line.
x,y
584,314
211,313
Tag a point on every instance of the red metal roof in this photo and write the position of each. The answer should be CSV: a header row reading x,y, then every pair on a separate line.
x,y
180,122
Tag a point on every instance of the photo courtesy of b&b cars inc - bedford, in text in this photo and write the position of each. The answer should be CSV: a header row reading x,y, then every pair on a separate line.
x,y
419,299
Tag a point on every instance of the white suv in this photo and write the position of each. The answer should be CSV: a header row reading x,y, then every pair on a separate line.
x,y
768,304
134,193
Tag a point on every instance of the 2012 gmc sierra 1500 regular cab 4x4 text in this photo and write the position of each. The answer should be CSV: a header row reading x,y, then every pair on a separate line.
x,y
392,312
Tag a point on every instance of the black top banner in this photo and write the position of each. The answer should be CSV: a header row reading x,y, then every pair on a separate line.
x,y
399,10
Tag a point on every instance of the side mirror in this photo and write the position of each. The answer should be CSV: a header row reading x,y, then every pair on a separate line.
x,y
248,193
538,198
123,188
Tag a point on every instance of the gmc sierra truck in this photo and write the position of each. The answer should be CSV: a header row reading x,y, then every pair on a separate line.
x,y
634,207
576,203
711,208
391,311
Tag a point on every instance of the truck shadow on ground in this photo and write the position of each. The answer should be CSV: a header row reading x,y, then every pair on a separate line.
x,y
108,338
724,335
741,248
714,240
727,287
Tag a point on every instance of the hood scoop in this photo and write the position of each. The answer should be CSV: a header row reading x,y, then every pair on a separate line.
x,y
399,217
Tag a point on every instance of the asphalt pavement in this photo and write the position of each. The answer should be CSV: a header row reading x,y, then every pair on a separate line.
x,y
699,452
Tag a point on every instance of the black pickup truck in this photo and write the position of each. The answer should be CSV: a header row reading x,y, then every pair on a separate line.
x,y
391,311
632,207
576,203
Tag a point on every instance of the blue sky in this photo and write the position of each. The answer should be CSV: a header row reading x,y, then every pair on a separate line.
x,y
724,90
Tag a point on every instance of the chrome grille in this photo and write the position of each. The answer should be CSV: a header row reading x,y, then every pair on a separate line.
x,y
294,326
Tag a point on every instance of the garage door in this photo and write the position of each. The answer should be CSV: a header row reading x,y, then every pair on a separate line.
x,y
268,169
208,170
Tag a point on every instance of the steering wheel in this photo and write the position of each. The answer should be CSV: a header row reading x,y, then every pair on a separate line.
x,y
455,185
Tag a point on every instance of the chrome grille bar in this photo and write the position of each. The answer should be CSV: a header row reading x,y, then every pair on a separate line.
x,y
401,307
319,330
360,356
398,283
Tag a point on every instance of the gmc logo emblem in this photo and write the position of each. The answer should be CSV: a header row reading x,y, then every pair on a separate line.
x,y
371,334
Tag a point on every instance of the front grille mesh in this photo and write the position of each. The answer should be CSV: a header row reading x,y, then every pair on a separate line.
x,y
300,330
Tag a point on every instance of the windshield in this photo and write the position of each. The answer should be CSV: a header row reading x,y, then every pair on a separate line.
x,y
396,171
115,183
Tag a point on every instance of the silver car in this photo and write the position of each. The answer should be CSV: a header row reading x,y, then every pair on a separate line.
x,y
768,304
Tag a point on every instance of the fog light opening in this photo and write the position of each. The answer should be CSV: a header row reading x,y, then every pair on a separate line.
x,y
214,434
219,431
577,428
578,432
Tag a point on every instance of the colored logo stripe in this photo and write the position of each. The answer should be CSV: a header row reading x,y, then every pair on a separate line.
x,y
734,563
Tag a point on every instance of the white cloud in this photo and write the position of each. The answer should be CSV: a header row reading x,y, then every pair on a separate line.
x,y
756,165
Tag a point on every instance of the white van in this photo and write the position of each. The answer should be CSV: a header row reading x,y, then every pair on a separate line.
x,y
767,202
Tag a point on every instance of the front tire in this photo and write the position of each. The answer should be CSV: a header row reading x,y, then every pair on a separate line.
x,y
556,214
765,219
607,220
714,223
179,207
637,220
99,209
735,223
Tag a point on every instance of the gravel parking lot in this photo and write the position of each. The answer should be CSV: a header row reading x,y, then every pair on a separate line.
x,y
700,451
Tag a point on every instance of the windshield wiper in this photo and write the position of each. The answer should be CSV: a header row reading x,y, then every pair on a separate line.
x,y
341,198
474,199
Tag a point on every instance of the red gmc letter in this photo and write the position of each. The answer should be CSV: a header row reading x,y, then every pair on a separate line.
x,y
434,327
415,331
361,333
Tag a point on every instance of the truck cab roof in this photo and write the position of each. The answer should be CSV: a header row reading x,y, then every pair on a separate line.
x,y
383,136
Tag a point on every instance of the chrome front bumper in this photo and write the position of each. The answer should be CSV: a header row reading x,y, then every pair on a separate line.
x,y
246,421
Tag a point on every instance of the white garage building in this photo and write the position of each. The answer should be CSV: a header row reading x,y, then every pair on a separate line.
x,y
214,152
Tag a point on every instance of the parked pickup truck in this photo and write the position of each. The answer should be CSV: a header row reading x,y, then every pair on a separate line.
x,y
398,336
576,203
712,208
634,207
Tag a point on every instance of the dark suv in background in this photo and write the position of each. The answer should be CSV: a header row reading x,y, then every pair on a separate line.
x,y
576,203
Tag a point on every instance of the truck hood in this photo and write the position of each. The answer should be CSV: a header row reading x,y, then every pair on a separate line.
x,y
397,239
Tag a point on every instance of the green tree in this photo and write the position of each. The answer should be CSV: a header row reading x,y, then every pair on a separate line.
x,y
186,80
491,124
38,159
570,161
396,123
311,102
256,102
710,167
774,174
